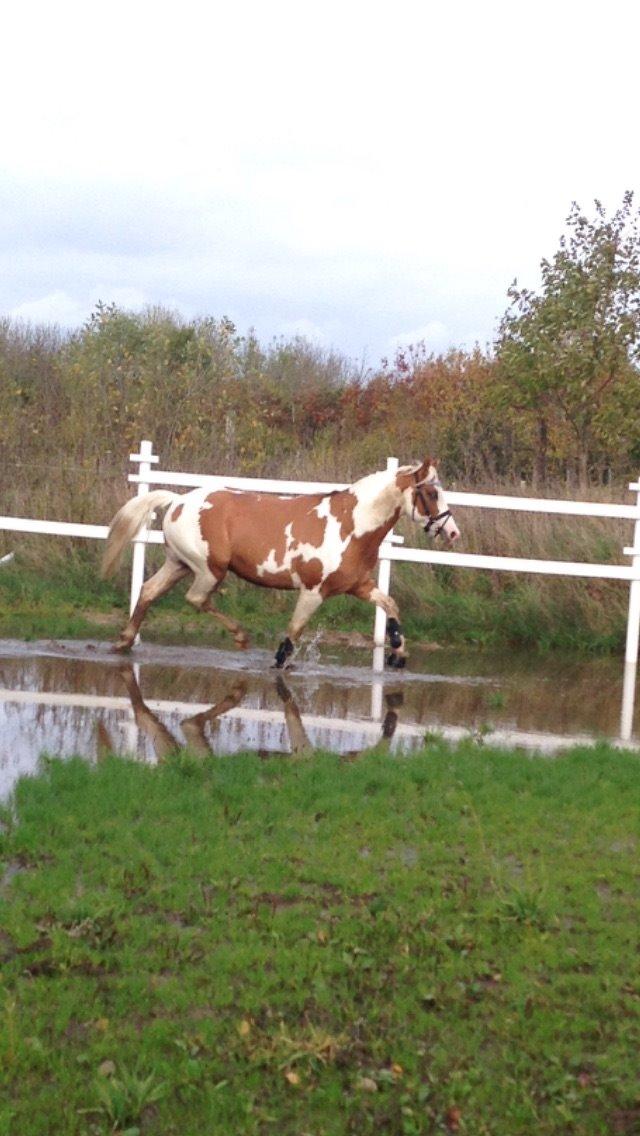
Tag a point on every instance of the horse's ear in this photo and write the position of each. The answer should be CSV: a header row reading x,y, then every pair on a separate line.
x,y
408,477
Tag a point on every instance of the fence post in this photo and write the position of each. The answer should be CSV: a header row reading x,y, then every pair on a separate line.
x,y
144,460
633,630
384,582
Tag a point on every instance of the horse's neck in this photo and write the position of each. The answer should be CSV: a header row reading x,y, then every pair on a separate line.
x,y
378,501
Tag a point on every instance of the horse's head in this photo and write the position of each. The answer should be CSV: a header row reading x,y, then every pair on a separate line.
x,y
424,499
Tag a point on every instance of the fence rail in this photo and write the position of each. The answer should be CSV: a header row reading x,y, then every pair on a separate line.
x,y
392,548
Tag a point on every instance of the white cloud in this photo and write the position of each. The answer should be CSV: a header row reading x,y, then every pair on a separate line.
x,y
350,169
55,308
60,308
434,335
302,327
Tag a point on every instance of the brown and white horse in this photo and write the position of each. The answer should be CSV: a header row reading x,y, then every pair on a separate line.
x,y
319,544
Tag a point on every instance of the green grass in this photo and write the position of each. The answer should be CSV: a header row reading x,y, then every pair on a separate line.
x,y
67,599
442,943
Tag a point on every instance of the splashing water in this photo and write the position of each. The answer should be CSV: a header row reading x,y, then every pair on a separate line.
x,y
310,652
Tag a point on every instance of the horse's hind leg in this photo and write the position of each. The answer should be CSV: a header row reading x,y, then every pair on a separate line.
x,y
240,636
162,740
193,728
156,586
199,595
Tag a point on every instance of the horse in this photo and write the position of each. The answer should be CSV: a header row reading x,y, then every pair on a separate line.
x,y
318,544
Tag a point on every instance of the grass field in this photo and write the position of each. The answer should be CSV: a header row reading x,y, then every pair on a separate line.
x,y
65,598
445,943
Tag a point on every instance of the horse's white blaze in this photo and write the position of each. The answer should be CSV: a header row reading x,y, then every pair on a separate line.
x,y
448,527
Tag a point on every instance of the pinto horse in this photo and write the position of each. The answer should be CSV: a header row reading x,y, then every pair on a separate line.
x,y
319,544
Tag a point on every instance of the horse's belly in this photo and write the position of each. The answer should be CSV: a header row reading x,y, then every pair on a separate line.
x,y
293,572
264,578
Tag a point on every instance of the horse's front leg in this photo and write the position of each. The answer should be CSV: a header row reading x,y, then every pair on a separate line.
x,y
308,602
300,744
368,590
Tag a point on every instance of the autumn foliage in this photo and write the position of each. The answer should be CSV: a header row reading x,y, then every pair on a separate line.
x,y
556,397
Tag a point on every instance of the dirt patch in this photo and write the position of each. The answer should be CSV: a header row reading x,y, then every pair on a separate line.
x,y
357,639
626,1122
347,639
103,618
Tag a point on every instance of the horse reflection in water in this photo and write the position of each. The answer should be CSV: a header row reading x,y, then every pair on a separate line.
x,y
193,728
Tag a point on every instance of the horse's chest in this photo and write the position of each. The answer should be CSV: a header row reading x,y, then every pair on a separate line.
x,y
358,562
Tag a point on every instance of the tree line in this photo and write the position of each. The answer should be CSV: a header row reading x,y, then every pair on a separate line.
x,y
557,395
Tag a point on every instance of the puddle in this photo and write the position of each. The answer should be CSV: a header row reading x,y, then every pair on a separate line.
x,y
76,697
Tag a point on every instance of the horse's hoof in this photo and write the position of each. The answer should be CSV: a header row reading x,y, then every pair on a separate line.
x,y
122,647
397,661
283,690
284,651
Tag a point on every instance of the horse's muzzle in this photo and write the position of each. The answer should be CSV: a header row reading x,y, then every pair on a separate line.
x,y
443,525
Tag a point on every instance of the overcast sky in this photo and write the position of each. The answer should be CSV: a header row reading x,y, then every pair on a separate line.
x,y
363,173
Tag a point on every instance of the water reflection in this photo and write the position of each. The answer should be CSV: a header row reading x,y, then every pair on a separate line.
x,y
162,739
65,698
194,727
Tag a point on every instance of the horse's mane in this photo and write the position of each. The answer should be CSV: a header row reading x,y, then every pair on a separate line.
x,y
372,484
378,481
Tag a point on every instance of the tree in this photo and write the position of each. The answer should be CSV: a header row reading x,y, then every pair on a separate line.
x,y
570,353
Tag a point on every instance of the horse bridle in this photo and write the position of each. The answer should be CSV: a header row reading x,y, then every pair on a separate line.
x,y
443,516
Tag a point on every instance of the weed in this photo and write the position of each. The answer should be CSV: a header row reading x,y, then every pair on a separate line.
x,y
523,906
123,1099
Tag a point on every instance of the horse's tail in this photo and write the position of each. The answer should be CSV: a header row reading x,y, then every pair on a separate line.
x,y
131,517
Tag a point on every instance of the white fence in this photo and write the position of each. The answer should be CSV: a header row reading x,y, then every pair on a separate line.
x,y
392,548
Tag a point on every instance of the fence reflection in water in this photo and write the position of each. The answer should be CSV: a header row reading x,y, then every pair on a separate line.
x,y
57,705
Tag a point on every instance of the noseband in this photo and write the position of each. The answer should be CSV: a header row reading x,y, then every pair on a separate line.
x,y
418,495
